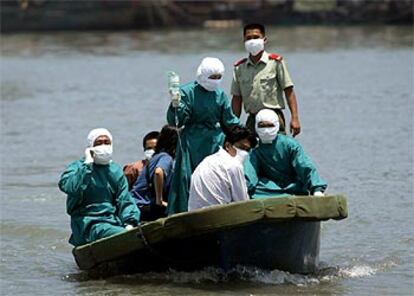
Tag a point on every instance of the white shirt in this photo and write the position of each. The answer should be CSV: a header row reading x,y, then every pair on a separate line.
x,y
218,179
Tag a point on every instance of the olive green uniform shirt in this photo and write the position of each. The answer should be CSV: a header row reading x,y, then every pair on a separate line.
x,y
261,85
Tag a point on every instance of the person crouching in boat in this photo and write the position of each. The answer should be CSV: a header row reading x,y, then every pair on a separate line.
x,y
279,165
133,170
98,200
203,109
219,178
150,190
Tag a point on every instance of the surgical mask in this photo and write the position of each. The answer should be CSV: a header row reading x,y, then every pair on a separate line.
x,y
267,134
102,154
149,153
254,46
241,154
211,84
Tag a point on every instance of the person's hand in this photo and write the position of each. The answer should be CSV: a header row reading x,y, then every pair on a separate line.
x,y
175,98
129,227
88,155
318,193
295,127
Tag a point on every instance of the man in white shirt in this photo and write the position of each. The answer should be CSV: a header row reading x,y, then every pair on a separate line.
x,y
219,178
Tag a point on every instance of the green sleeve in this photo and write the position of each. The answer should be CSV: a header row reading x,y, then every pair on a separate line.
x,y
227,116
182,113
74,181
251,169
306,170
127,210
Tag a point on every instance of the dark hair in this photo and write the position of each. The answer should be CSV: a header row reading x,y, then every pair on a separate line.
x,y
167,140
236,133
253,26
150,136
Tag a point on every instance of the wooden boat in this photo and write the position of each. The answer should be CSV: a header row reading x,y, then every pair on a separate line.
x,y
270,233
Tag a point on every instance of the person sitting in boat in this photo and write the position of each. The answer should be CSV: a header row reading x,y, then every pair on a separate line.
x,y
150,191
133,170
279,165
98,200
202,109
219,178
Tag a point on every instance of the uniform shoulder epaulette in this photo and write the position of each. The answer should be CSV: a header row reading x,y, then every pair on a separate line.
x,y
239,62
276,57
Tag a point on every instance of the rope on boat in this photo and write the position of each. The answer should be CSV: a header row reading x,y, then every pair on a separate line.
x,y
154,251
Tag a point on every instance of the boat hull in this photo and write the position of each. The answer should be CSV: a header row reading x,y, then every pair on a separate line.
x,y
290,246
273,233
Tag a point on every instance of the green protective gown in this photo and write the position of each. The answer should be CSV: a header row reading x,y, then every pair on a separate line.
x,y
281,168
98,201
202,114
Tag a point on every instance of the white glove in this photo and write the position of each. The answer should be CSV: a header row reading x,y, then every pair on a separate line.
x,y
175,98
88,156
318,193
129,227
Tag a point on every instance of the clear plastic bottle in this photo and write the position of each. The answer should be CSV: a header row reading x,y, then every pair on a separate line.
x,y
174,91
173,81
174,88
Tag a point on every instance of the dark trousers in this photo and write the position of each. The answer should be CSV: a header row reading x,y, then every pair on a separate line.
x,y
152,212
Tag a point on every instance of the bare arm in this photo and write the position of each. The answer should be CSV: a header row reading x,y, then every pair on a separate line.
x,y
236,105
159,184
293,106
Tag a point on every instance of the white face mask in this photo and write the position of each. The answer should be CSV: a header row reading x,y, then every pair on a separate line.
x,y
149,153
254,46
241,155
267,134
211,84
102,154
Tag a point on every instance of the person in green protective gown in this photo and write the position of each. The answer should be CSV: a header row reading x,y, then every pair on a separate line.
x,y
98,200
279,165
202,109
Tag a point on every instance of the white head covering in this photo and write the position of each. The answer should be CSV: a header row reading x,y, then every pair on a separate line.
x,y
267,115
209,66
267,134
95,133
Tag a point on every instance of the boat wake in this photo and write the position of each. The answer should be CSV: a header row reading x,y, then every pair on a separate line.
x,y
251,275
259,276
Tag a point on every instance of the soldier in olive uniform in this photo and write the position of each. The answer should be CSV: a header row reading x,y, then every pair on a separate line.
x,y
260,81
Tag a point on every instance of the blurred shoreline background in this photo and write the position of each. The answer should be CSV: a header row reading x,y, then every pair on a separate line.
x,y
51,15
69,66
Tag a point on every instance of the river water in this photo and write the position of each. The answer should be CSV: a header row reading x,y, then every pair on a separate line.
x,y
355,94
